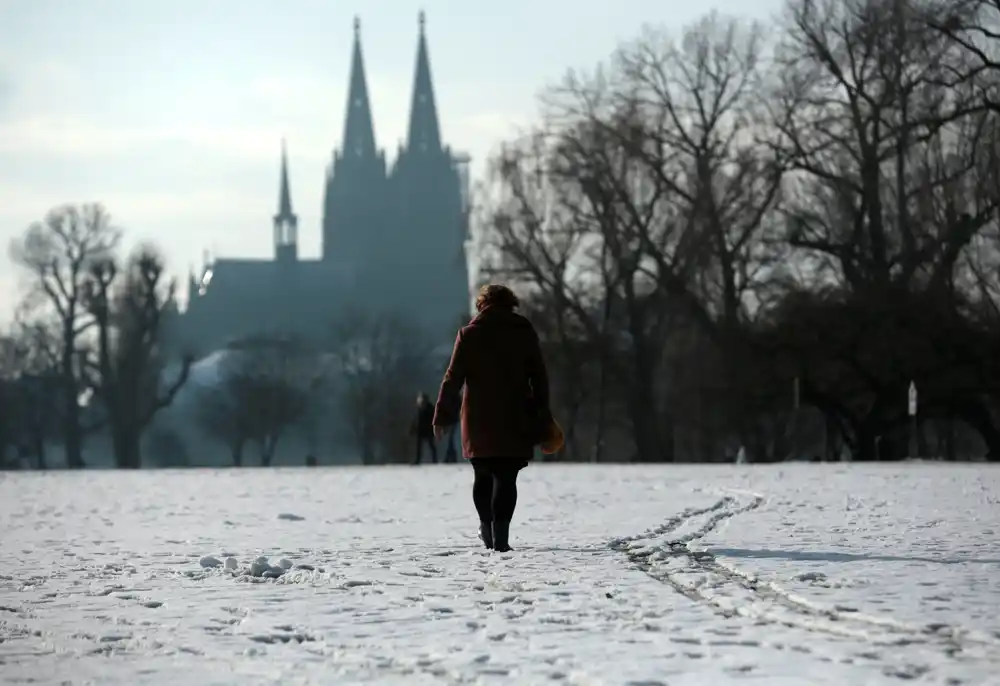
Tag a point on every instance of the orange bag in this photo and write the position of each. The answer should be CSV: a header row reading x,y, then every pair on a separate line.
x,y
553,443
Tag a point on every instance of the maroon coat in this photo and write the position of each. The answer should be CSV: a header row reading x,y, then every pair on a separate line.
x,y
497,357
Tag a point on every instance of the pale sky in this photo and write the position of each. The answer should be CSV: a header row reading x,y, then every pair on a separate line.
x,y
172,113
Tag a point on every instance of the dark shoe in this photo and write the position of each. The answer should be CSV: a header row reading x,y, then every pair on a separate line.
x,y
501,531
486,534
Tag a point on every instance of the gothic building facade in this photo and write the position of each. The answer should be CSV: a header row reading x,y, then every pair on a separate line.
x,y
393,238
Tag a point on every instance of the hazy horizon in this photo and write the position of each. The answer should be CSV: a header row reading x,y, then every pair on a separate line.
x,y
172,116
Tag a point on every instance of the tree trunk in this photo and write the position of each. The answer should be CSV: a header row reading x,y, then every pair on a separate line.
x,y
949,439
864,448
642,406
923,445
706,436
268,446
117,446
41,460
125,440
131,434
754,446
570,446
602,404
131,447
367,444
642,425
6,435
237,451
666,440
72,435
978,417
603,377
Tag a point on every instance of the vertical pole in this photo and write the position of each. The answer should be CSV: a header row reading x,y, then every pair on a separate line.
x,y
912,411
796,399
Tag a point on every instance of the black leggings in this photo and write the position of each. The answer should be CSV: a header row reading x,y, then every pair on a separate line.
x,y
494,490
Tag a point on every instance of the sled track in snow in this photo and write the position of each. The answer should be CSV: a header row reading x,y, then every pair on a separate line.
x,y
730,592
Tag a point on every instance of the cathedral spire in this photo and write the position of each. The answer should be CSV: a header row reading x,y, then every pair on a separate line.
x,y
359,134
424,132
286,222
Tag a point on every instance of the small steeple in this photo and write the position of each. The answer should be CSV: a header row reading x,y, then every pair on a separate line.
x,y
192,285
286,222
359,133
285,193
424,132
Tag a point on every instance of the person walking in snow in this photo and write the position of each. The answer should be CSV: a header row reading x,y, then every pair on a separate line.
x,y
422,427
505,411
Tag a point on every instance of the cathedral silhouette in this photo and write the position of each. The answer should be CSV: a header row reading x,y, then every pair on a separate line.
x,y
393,238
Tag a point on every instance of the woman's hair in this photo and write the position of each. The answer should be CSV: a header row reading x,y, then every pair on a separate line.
x,y
496,295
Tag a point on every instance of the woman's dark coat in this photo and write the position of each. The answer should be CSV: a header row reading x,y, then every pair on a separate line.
x,y
505,409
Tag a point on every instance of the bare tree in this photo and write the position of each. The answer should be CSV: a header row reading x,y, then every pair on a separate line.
x,y
129,307
974,27
266,386
223,410
701,113
705,142
380,362
894,167
644,201
58,252
563,224
886,160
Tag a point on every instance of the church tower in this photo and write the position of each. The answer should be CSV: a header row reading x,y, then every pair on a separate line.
x,y
354,198
424,131
431,223
286,222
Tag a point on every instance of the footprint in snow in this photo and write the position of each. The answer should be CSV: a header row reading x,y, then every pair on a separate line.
x,y
811,576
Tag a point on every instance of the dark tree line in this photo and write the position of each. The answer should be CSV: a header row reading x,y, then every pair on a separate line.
x,y
738,239
90,356
731,240
264,388
357,385
85,353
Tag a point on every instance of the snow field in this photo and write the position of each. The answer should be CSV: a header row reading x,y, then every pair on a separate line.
x,y
791,574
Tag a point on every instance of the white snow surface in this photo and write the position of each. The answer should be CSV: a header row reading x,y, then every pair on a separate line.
x,y
640,575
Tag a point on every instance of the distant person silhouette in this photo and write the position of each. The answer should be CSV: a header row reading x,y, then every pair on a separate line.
x,y
505,410
423,428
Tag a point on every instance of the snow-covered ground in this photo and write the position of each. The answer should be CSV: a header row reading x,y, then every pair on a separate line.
x,y
792,574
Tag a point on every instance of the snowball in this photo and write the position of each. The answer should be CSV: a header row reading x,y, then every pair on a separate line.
x,y
259,566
